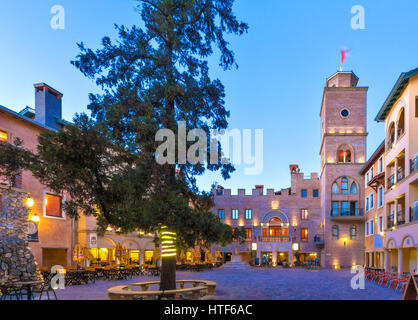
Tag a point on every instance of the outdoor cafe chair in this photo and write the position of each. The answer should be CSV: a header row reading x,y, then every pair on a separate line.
x,y
10,292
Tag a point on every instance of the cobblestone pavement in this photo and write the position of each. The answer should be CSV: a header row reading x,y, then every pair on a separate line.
x,y
240,283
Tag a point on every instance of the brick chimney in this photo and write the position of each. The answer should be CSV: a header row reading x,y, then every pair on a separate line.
x,y
48,105
294,168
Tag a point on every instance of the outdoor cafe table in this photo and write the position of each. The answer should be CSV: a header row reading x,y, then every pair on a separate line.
x,y
29,285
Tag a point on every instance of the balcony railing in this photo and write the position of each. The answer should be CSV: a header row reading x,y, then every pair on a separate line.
x,y
400,174
413,164
400,217
347,212
275,239
391,181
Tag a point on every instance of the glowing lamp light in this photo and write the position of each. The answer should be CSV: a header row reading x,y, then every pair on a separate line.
x,y
168,243
295,246
34,218
254,246
30,202
109,228
345,241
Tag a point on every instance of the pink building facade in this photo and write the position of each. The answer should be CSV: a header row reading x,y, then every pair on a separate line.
x,y
400,116
319,217
278,223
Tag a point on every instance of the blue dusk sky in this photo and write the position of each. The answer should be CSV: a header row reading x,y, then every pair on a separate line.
x,y
284,60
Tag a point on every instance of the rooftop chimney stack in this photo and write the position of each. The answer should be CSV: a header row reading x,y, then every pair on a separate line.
x,y
48,105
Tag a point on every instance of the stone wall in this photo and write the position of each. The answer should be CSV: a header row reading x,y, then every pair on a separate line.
x,y
16,259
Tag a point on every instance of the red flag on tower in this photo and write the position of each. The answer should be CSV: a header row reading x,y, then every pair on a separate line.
x,y
344,53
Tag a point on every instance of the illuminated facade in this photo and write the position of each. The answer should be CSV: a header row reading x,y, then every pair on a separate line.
x,y
400,116
278,223
317,217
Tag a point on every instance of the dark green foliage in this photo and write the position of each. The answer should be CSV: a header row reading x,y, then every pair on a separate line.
x,y
150,78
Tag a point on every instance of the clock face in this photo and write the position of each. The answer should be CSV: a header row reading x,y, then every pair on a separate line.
x,y
32,227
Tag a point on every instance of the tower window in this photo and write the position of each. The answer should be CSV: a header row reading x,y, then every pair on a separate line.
x,y
335,189
335,233
344,156
345,113
304,193
344,186
353,189
353,232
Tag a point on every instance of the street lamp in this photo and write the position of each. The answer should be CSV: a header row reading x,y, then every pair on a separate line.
x,y
345,241
30,203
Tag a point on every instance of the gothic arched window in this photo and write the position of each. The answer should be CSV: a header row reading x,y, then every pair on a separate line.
x,y
335,189
353,189
344,185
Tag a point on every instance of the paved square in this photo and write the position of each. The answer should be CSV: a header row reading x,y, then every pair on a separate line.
x,y
240,283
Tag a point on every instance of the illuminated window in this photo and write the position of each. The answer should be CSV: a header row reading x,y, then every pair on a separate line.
x,y
248,234
335,233
248,214
235,214
304,214
53,206
148,256
221,213
3,136
304,234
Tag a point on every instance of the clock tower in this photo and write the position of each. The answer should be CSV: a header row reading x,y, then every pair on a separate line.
x,y
343,153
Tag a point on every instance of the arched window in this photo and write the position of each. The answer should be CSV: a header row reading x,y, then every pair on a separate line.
x,y
344,154
335,189
401,124
335,232
353,189
344,185
353,232
391,135
275,220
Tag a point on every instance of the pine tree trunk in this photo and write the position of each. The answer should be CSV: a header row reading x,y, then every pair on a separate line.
x,y
168,273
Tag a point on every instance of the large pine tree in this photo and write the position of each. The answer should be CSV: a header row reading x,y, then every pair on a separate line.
x,y
150,78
